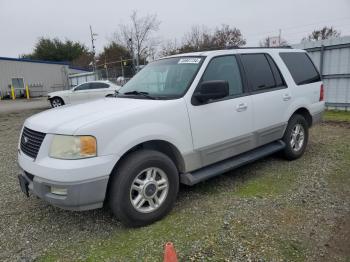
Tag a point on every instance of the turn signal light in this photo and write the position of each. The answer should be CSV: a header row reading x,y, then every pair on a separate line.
x,y
88,145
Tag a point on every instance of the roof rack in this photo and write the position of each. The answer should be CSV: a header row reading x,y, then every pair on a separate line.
x,y
259,47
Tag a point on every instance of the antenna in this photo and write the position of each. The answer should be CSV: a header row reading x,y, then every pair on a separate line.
x,y
93,48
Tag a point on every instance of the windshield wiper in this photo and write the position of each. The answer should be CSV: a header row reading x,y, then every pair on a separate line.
x,y
139,93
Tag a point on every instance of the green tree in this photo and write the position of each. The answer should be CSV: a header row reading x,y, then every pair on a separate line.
x,y
110,59
113,52
57,50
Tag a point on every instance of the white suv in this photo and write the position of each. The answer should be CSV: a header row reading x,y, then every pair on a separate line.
x,y
182,119
84,92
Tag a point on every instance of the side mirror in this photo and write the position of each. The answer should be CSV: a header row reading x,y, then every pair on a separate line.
x,y
210,90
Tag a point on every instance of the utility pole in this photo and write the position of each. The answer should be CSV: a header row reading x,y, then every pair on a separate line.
x,y
132,54
105,66
93,48
121,63
279,37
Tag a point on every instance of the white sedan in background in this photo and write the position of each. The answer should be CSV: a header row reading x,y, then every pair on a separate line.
x,y
82,93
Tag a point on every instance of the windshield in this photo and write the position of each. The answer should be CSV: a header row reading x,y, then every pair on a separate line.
x,y
166,78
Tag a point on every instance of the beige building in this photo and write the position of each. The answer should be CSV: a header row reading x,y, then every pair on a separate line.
x,y
41,77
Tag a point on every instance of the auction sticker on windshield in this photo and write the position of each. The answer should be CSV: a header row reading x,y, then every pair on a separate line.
x,y
189,60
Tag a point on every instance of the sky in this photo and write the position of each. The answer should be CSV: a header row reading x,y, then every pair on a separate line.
x,y
22,22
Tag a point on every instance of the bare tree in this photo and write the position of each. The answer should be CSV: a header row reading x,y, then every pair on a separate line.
x,y
322,34
137,36
201,38
170,47
197,39
227,36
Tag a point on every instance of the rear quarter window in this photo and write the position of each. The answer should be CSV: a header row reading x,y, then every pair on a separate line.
x,y
301,68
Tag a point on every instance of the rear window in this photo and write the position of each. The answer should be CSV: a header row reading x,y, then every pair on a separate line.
x,y
301,68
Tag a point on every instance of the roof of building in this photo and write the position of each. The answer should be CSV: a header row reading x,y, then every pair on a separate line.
x,y
43,62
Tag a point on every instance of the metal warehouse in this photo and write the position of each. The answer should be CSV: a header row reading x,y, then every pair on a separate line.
x,y
332,57
41,77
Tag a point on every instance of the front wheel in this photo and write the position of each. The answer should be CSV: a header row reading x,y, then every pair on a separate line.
x,y
295,137
143,188
56,102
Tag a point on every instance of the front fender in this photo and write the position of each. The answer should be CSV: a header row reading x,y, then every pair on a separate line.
x,y
136,135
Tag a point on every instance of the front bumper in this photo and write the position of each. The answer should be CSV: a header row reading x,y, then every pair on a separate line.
x,y
85,180
80,196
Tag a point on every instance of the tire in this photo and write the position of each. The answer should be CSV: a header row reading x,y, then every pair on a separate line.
x,y
295,137
56,102
126,188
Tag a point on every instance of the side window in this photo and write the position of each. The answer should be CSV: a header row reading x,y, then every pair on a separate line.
x,y
301,68
98,85
276,73
258,71
225,68
82,87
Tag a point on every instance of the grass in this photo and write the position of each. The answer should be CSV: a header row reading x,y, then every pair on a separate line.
x,y
292,250
338,116
269,184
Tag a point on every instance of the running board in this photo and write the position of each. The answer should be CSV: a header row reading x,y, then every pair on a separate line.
x,y
221,167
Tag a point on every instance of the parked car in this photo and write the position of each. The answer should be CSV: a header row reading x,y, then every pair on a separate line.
x,y
82,93
181,119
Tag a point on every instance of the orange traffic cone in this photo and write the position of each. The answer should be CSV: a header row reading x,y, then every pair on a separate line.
x,y
169,253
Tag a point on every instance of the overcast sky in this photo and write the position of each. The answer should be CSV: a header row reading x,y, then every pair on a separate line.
x,y
23,21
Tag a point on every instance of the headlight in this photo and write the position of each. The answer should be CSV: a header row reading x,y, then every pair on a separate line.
x,y
73,147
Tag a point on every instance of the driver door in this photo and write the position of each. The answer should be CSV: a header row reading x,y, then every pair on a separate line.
x,y
222,128
80,93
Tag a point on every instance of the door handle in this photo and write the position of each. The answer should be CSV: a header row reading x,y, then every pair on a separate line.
x,y
286,97
241,107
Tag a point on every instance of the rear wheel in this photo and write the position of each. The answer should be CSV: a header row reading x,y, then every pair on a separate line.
x,y
56,102
143,188
295,137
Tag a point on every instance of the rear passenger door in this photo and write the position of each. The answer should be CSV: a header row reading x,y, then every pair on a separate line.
x,y
99,90
306,78
222,128
270,96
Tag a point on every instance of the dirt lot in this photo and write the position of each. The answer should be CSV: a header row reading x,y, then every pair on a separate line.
x,y
272,210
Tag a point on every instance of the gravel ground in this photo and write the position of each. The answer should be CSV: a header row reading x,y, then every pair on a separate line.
x,y
21,104
272,210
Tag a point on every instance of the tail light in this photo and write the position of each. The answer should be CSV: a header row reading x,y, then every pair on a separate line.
x,y
322,93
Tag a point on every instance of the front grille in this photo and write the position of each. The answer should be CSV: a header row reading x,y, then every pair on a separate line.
x,y
31,141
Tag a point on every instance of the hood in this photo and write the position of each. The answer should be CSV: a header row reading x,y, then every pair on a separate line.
x,y
67,119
